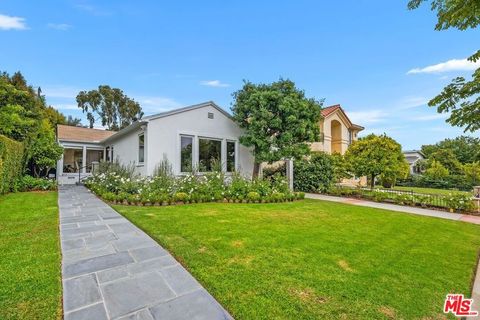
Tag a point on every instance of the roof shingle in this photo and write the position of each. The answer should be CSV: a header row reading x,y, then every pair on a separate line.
x,y
70,133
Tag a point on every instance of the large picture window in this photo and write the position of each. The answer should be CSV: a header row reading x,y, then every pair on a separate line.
x,y
209,154
230,156
141,148
186,154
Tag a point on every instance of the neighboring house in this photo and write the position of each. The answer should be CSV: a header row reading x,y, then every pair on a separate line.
x,y
188,137
413,157
337,131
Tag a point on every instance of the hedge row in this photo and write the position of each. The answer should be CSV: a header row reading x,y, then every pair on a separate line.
x,y
11,157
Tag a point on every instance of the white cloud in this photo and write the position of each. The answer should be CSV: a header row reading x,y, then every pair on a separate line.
x,y
64,92
430,117
412,102
12,23
154,104
59,26
214,83
367,117
450,65
65,106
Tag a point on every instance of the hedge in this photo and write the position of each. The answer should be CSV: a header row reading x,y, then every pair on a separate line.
x,y
11,157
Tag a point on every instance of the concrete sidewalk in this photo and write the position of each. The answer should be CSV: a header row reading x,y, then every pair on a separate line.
x,y
394,207
113,270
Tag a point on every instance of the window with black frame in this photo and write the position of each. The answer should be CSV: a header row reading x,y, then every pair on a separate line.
x,y
209,157
186,153
230,156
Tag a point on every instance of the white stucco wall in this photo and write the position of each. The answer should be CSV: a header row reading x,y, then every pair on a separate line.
x,y
164,137
125,150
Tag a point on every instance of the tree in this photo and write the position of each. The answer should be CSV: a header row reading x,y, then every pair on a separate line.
x,y
45,151
466,149
461,98
115,109
447,159
472,172
374,155
71,121
278,120
436,171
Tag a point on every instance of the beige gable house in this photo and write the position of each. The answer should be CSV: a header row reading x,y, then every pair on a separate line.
x,y
337,130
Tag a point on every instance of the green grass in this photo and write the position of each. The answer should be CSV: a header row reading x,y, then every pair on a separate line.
x,y
430,190
317,260
29,256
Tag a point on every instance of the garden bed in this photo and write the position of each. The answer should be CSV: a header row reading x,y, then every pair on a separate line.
x,y
452,202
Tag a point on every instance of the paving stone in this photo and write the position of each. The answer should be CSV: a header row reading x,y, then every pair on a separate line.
x,y
179,279
123,227
77,231
78,219
99,241
73,244
112,274
143,314
151,265
68,226
80,292
133,242
148,253
85,253
128,295
198,305
96,264
94,312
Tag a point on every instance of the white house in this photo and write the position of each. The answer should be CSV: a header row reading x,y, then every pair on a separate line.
x,y
188,137
413,157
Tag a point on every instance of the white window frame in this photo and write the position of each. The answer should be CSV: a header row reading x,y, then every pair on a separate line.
x,y
223,147
192,137
140,163
235,159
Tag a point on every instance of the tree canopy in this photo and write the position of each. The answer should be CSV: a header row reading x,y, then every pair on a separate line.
x,y
374,155
461,98
278,119
466,149
25,117
114,109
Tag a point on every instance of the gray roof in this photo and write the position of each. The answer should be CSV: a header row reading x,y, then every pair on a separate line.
x,y
188,108
145,120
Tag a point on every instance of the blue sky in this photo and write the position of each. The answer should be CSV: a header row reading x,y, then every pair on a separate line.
x,y
378,60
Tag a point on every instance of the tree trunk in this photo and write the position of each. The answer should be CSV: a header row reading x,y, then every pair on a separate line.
x,y
372,182
256,170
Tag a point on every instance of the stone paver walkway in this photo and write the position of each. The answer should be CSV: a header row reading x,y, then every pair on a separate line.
x,y
113,270
394,207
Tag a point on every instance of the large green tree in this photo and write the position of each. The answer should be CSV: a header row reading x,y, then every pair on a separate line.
x,y
374,155
448,159
461,98
278,119
25,117
466,149
114,109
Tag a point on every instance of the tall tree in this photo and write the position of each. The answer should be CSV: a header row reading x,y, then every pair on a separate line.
x,y
278,120
374,155
447,158
115,110
466,149
461,98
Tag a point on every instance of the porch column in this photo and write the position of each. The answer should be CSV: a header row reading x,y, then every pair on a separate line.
x,y
84,159
289,165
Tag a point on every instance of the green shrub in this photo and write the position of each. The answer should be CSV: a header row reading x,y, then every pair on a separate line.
x,y
29,183
181,197
11,165
253,196
315,174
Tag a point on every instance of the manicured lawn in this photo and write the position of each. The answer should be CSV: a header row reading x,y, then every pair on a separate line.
x,y
431,190
314,259
29,257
